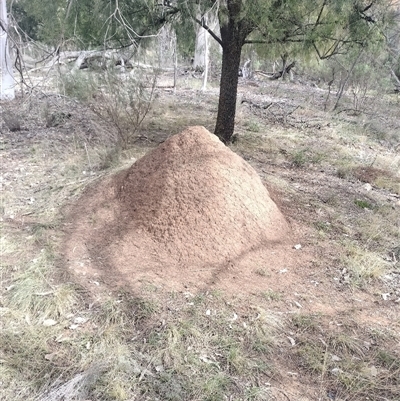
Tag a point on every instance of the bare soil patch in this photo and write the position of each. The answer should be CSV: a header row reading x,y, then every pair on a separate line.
x,y
190,214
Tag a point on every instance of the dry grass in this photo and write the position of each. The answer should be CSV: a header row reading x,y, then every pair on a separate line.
x,y
59,342
348,361
362,266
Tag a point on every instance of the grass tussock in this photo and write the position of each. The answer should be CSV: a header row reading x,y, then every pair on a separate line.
x,y
349,366
34,293
377,177
363,266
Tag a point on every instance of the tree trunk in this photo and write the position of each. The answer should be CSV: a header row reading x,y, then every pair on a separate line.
x,y
345,80
200,49
206,61
6,73
284,58
175,65
232,48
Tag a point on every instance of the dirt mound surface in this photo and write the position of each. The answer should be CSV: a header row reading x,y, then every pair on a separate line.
x,y
199,199
189,206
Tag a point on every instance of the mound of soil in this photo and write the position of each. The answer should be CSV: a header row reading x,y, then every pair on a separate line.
x,y
203,202
190,205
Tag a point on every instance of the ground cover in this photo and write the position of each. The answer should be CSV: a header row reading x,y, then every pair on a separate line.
x,y
327,328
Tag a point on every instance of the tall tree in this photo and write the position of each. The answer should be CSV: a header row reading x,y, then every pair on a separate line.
x,y
327,27
7,81
392,36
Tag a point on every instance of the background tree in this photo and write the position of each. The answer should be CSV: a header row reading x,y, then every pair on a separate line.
x,y
328,27
7,81
392,37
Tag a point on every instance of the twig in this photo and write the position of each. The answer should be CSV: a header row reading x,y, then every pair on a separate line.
x,y
87,154
284,394
356,112
258,105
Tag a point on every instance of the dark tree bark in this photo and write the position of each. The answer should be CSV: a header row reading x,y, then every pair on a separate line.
x,y
233,35
225,125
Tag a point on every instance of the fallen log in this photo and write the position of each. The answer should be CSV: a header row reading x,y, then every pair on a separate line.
x,y
276,75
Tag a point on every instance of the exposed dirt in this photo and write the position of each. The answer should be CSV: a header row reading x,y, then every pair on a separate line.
x,y
312,273
193,216
190,214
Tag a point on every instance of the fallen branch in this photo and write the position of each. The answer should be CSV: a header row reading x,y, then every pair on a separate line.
x,y
77,388
396,79
257,105
276,75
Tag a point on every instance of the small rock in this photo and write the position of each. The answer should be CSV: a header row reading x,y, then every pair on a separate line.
x,y
49,322
386,296
50,357
367,187
80,320
335,358
373,371
297,304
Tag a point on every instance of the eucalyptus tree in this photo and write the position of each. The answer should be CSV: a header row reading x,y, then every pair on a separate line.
x,y
7,82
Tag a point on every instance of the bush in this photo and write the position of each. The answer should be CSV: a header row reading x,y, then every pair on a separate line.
x,y
124,101
121,100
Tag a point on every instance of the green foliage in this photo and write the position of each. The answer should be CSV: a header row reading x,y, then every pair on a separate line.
x,y
186,43
291,27
26,22
363,204
43,18
88,23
